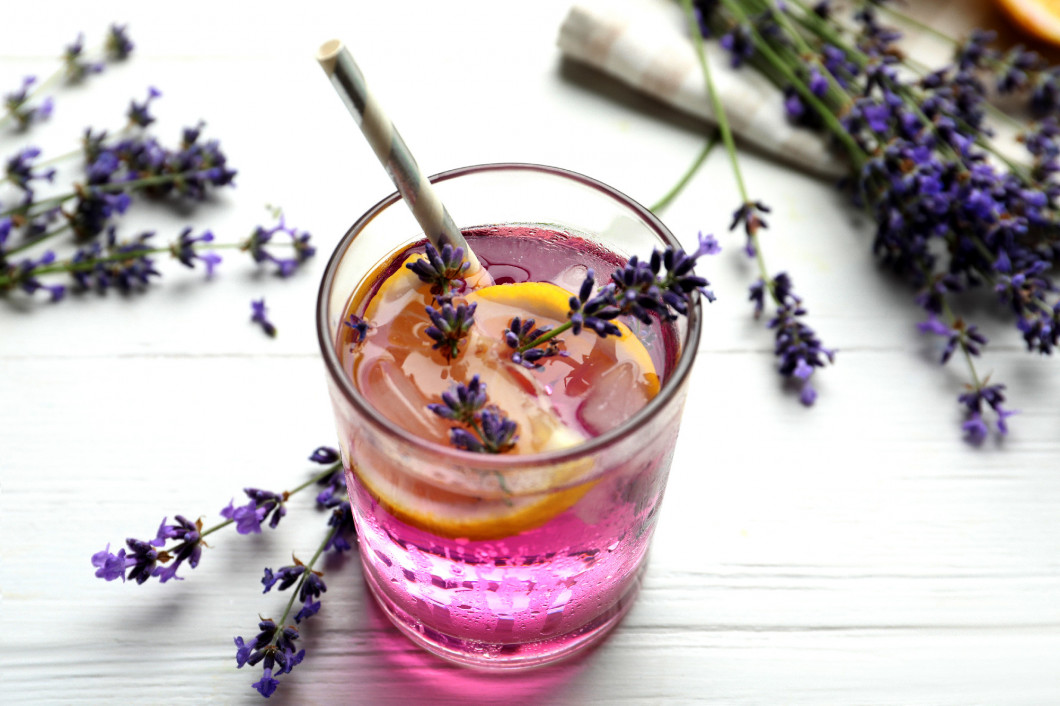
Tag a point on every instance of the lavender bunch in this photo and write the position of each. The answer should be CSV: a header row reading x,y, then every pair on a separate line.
x,y
663,286
953,212
181,543
129,265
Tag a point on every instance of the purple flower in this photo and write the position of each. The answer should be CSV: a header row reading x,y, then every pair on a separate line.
x,y
976,400
286,577
266,685
93,208
247,517
140,113
463,402
520,334
262,238
309,609
342,527
739,44
273,504
21,172
17,105
77,68
117,45
109,566
190,547
443,270
749,214
259,316
490,430
449,326
185,249
359,327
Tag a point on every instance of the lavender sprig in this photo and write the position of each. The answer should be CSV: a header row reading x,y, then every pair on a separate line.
x,y
184,540
125,265
488,429
274,646
663,286
953,211
261,240
797,347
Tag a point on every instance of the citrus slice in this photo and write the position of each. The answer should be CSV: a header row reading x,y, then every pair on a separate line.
x,y
1039,18
396,368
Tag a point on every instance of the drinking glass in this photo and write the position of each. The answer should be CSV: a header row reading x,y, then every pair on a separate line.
x,y
549,548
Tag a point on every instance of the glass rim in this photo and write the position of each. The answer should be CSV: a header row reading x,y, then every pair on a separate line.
x,y
504,461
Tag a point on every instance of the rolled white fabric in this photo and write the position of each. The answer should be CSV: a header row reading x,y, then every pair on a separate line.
x,y
645,44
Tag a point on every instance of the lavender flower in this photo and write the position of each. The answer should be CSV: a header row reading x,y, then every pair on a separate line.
x,y
488,429
272,647
141,561
975,400
16,104
798,349
463,402
139,114
248,518
184,249
450,325
262,238
522,333
739,44
592,312
442,270
22,173
259,316
93,209
359,327
117,45
75,64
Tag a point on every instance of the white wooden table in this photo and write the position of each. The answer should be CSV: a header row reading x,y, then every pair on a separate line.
x,y
855,553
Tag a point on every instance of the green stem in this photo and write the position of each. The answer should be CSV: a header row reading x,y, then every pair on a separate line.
x,y
727,137
715,99
547,336
39,239
7,280
687,176
295,590
132,185
952,320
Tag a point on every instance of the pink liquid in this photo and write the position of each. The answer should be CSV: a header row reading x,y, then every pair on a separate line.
x,y
554,587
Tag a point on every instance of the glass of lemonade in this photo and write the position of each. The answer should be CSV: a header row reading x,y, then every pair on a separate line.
x,y
514,559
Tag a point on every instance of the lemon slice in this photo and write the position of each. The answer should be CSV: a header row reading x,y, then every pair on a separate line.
x,y
548,304
1039,18
400,373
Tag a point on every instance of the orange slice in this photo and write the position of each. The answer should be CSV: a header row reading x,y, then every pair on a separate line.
x,y
1039,18
400,373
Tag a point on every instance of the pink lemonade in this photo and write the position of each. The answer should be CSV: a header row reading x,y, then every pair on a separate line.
x,y
514,559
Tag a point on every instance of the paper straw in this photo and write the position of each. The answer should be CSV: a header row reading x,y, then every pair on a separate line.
x,y
392,151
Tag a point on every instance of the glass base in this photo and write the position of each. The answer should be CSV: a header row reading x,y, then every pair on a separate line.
x,y
506,656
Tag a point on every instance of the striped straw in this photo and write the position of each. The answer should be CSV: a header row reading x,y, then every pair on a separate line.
x,y
392,151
